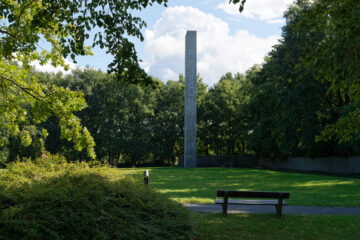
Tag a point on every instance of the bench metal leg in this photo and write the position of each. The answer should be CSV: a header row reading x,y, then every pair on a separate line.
x,y
225,205
279,207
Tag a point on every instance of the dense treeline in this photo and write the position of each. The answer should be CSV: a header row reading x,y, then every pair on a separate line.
x,y
144,124
304,100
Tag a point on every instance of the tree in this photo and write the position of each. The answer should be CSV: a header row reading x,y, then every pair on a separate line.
x,y
26,103
291,105
118,116
242,3
222,122
167,122
66,24
335,59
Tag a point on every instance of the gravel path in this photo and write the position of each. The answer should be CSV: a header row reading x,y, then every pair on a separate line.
x,y
216,208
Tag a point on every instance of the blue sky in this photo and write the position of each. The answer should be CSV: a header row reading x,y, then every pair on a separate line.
x,y
227,40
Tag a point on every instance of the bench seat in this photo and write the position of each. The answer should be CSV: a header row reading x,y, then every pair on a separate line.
x,y
250,202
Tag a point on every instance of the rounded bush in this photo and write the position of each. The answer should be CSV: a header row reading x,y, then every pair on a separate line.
x,y
48,200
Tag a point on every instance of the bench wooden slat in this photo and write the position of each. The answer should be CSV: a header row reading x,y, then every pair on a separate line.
x,y
254,194
250,202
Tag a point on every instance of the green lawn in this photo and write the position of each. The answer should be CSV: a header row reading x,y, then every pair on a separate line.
x,y
190,185
200,185
271,227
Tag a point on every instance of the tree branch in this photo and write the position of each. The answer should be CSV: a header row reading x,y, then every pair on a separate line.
x,y
6,32
26,90
25,6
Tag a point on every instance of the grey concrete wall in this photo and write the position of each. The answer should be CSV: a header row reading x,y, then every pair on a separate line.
x,y
332,165
190,100
328,165
222,161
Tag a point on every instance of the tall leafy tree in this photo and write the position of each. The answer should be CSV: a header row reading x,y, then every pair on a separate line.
x,y
335,59
291,106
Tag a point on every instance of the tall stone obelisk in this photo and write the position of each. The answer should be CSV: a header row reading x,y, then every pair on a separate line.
x,y
190,100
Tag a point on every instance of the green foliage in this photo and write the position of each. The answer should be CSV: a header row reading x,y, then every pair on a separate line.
x,y
303,101
167,122
139,124
295,108
26,103
222,119
118,116
335,59
242,3
129,123
52,199
66,25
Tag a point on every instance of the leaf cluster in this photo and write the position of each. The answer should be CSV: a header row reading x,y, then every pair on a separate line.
x,y
66,25
26,103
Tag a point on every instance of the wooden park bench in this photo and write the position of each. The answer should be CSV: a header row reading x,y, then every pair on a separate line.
x,y
251,194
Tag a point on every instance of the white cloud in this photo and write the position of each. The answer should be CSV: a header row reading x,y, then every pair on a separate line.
x,y
51,69
169,74
270,11
218,50
282,21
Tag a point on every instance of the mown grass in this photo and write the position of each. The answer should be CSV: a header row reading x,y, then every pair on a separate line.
x,y
271,227
200,185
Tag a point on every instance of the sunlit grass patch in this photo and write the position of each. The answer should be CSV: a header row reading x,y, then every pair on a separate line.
x,y
325,183
199,185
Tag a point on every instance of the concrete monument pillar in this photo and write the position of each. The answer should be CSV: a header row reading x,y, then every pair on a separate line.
x,y
190,100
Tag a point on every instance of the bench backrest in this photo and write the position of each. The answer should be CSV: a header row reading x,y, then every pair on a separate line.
x,y
229,193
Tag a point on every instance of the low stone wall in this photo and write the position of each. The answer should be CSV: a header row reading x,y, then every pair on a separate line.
x,y
328,165
222,161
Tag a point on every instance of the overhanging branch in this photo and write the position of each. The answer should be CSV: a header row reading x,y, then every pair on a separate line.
x,y
26,90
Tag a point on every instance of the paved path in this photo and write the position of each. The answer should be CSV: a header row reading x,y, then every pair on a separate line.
x,y
216,208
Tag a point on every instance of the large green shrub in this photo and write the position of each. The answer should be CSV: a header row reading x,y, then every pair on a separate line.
x,y
52,199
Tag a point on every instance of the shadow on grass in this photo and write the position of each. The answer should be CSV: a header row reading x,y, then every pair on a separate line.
x,y
244,226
